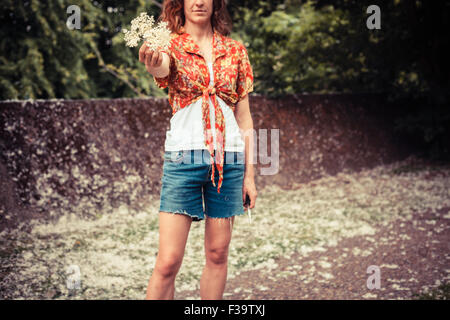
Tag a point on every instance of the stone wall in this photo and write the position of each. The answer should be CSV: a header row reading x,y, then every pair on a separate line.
x,y
93,155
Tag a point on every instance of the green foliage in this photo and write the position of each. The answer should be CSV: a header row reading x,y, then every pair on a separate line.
x,y
42,58
327,48
295,46
324,46
33,52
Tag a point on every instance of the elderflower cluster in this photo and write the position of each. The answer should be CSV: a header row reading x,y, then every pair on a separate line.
x,y
142,28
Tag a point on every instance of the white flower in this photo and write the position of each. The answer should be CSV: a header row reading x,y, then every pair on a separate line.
x,y
142,28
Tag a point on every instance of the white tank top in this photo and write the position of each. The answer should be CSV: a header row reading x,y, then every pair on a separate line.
x,y
186,127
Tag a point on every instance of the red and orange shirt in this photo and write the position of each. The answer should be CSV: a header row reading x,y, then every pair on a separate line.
x,y
189,78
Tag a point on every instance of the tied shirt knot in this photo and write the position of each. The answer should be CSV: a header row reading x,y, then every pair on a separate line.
x,y
211,90
219,127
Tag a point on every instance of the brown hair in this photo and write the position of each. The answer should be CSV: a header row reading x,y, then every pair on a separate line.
x,y
173,13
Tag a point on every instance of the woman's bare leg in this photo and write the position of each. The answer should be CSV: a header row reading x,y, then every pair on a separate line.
x,y
173,234
217,240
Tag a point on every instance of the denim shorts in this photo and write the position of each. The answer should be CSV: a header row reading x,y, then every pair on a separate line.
x,y
187,187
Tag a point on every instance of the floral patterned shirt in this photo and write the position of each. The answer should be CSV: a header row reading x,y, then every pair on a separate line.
x,y
188,81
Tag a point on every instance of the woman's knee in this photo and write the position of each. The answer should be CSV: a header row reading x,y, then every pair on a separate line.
x,y
217,255
167,265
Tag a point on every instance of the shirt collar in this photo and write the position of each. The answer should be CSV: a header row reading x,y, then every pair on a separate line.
x,y
189,44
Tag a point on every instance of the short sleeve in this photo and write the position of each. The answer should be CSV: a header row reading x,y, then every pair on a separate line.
x,y
245,74
164,82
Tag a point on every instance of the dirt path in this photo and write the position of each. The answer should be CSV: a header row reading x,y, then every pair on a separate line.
x,y
413,256
327,233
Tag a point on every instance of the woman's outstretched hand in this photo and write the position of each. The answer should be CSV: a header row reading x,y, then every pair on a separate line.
x,y
151,59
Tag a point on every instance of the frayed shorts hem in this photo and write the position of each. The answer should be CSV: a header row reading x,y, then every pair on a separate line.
x,y
195,216
200,216
239,213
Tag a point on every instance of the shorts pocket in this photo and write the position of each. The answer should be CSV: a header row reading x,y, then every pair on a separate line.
x,y
174,156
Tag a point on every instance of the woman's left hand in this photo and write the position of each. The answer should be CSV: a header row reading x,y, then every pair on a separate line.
x,y
250,189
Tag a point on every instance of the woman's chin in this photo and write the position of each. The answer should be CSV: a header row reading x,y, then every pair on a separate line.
x,y
201,19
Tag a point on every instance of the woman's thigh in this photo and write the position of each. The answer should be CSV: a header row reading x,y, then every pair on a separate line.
x,y
173,234
218,235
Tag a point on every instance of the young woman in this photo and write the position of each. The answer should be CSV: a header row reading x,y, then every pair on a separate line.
x,y
204,175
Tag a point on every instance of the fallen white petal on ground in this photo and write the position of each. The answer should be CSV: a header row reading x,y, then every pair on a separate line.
x,y
116,253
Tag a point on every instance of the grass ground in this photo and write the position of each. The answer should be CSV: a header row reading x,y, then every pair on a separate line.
x,y
115,253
